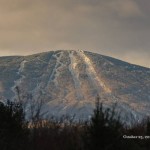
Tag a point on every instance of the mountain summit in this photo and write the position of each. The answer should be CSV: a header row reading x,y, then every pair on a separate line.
x,y
67,82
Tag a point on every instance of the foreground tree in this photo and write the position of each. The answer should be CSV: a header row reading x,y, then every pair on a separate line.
x,y
13,129
104,129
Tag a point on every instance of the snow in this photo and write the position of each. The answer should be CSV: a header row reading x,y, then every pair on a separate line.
x,y
18,82
75,75
57,68
41,60
22,65
92,74
85,81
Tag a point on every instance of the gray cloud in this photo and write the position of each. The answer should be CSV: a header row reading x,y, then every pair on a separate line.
x,y
116,28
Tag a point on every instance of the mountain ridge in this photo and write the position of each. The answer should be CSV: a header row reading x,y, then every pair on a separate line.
x,y
69,81
76,50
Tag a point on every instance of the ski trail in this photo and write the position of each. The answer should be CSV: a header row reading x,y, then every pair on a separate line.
x,y
40,87
20,70
19,81
56,70
75,75
96,80
43,61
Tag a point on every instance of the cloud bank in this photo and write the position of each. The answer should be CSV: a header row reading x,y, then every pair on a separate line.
x,y
118,28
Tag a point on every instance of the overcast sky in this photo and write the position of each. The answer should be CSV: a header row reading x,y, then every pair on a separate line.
x,y
117,28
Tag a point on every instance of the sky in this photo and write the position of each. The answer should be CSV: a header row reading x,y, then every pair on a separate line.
x,y
116,28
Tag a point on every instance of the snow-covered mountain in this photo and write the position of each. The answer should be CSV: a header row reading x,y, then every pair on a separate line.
x,y
67,82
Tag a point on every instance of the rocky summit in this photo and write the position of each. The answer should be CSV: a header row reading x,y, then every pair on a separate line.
x,y
68,81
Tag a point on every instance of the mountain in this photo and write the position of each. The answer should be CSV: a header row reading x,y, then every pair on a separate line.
x,y
67,82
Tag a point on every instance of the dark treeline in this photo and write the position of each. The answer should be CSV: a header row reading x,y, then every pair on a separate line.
x,y
104,131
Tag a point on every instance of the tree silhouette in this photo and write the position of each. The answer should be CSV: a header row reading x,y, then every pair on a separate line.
x,y
104,129
13,129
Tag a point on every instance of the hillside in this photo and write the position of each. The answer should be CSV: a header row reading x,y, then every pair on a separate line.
x,y
67,81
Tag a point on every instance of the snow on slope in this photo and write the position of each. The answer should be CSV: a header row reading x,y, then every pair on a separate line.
x,y
66,81
18,82
93,76
56,70
75,75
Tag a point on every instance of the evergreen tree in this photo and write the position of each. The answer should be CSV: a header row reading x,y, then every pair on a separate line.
x,y
13,129
104,130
